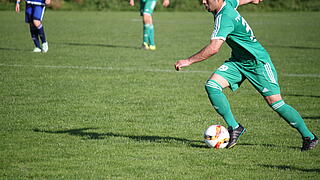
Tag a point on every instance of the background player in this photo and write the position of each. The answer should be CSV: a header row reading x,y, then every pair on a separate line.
x,y
146,10
249,60
33,15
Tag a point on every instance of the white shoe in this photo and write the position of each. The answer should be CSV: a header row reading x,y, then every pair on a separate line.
x,y
37,50
45,47
152,47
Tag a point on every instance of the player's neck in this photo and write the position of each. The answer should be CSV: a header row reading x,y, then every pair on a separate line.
x,y
220,6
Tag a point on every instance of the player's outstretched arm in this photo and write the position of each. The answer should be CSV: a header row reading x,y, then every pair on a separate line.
x,y
18,6
131,2
166,3
206,52
243,2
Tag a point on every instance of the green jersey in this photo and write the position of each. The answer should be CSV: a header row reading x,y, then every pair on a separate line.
x,y
230,26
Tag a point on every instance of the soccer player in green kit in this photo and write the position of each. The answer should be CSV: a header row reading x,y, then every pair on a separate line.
x,y
249,60
146,10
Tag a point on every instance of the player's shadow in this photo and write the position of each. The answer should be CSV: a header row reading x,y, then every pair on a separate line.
x,y
14,49
84,134
268,145
300,95
101,45
290,168
294,47
310,117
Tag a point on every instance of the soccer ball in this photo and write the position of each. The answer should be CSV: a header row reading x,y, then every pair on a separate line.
x,y
216,136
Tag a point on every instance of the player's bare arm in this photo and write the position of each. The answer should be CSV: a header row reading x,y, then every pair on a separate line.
x,y
48,2
166,3
243,2
205,53
18,6
131,2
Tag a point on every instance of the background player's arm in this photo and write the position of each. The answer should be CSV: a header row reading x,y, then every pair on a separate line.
x,y
206,52
18,6
243,2
131,2
166,3
48,2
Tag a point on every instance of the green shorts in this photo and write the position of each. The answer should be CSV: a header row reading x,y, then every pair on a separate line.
x,y
262,75
147,6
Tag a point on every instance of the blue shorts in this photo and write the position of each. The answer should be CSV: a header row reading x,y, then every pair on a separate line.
x,y
34,12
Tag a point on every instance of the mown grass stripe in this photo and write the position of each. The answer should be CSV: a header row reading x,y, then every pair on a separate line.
x,y
134,69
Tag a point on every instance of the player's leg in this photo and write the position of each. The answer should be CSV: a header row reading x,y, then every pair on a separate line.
x,y
225,76
266,82
148,23
219,101
37,21
33,29
145,34
292,117
147,19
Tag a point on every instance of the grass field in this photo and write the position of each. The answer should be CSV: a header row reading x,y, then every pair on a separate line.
x,y
98,107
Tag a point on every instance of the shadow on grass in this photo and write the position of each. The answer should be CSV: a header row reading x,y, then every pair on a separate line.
x,y
294,47
290,168
300,95
15,49
268,145
81,132
101,45
310,117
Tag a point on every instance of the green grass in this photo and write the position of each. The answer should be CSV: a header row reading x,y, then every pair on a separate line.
x,y
98,107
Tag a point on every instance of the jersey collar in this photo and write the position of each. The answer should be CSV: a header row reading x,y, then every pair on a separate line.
x,y
223,5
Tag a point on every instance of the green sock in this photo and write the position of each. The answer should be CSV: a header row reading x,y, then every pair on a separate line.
x,y
292,116
220,102
146,29
151,35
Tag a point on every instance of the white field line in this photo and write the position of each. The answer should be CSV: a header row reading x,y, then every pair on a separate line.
x,y
135,69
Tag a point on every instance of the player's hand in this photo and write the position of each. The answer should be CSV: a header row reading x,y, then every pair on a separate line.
x,y
17,7
256,1
165,3
182,63
47,2
131,2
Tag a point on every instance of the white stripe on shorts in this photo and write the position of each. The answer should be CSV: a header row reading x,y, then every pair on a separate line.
x,y
270,73
42,13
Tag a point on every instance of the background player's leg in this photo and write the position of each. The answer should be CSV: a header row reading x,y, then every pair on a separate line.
x,y
147,26
151,35
34,35
40,29
37,21
146,34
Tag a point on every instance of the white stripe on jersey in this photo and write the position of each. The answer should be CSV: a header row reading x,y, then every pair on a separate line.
x,y
216,26
222,38
237,4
